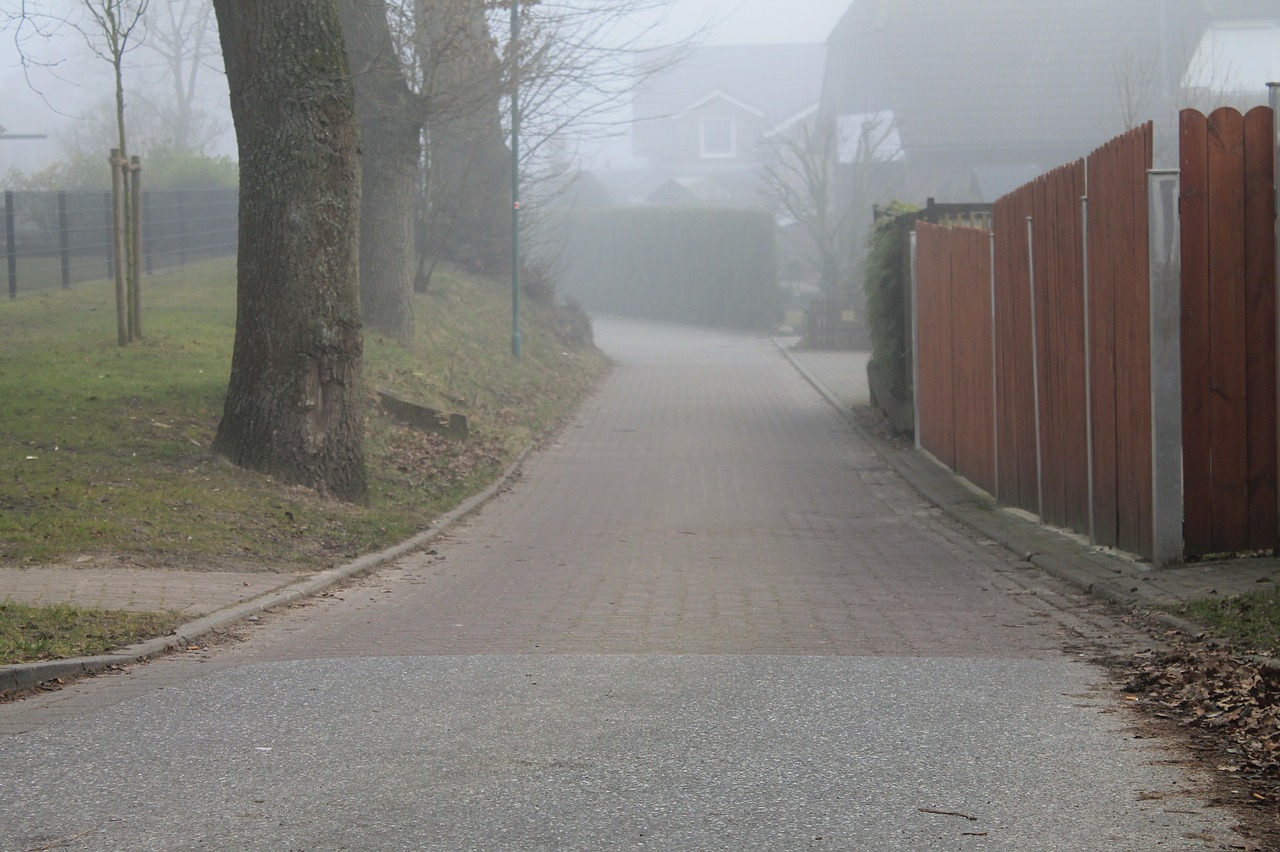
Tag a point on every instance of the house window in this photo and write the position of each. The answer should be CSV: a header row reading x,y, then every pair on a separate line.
x,y
717,137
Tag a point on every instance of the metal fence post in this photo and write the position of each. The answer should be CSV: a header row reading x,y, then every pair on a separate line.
x,y
1164,240
64,240
148,222
108,231
134,189
11,244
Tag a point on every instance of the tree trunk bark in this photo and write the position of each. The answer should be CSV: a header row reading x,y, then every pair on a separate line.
x,y
294,406
389,133
468,161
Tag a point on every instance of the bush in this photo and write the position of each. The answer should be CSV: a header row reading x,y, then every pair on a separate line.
x,y
886,287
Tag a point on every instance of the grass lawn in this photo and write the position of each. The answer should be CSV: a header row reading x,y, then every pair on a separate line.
x,y
104,450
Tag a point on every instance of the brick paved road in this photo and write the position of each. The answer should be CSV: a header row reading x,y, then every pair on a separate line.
x,y
707,501
708,617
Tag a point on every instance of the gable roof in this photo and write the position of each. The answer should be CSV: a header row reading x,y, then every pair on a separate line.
x,y
774,80
718,95
1011,73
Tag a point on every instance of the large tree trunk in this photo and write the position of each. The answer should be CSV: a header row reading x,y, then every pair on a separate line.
x,y
389,135
468,161
294,407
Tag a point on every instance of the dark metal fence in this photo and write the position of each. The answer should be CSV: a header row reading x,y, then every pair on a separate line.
x,y
56,239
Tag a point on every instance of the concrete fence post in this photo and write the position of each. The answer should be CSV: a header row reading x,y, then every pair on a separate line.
x,y
1165,275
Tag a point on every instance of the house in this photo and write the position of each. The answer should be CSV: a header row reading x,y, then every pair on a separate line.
x,y
702,126
986,92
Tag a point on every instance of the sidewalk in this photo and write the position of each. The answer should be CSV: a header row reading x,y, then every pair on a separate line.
x,y
1115,576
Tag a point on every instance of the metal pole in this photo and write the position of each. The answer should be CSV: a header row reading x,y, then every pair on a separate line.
x,y
135,270
118,189
11,244
1165,275
64,240
515,178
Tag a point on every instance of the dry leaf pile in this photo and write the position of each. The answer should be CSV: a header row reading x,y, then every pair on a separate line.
x,y
1226,703
429,460
1218,691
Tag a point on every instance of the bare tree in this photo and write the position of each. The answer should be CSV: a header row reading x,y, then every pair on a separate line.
x,y
183,35
823,176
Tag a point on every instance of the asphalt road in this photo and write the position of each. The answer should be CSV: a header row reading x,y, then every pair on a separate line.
x,y
709,618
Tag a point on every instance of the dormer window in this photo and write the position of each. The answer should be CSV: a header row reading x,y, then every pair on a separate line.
x,y
718,137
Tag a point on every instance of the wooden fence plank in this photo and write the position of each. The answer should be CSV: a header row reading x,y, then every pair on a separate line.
x,y
970,249
1227,318
1139,506
1102,321
1129,277
1260,302
1197,433
933,311
1018,476
1075,421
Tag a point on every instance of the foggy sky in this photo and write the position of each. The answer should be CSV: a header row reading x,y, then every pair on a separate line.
x,y
755,21
80,80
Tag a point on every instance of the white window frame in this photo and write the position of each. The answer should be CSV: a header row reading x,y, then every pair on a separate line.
x,y
717,153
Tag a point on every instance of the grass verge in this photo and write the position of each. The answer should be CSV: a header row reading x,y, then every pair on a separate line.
x,y
33,633
1249,621
104,450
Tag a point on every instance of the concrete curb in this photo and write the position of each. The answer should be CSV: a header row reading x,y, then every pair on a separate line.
x,y
27,675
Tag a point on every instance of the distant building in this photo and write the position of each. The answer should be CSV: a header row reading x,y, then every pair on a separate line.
x,y
700,127
985,94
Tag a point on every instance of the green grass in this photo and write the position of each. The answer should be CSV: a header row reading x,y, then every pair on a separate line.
x,y
30,634
105,450
1249,621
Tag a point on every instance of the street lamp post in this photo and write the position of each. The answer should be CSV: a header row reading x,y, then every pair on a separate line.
x,y
515,179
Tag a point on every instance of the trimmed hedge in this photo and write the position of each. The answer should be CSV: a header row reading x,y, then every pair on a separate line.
x,y
701,266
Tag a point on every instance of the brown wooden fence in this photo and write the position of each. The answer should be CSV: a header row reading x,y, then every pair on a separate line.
x,y
1006,398
1049,398
955,393
1228,331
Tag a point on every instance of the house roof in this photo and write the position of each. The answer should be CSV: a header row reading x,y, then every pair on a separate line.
x,y
1013,73
774,80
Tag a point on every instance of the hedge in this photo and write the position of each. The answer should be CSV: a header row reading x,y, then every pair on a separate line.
x,y
701,266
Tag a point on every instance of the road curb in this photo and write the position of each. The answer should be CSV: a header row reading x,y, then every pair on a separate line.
x,y
28,675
